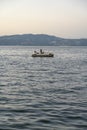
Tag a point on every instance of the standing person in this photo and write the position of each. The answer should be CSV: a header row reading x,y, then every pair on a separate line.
x,y
41,51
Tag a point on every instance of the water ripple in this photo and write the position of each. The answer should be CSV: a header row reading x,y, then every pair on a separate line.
x,y
43,93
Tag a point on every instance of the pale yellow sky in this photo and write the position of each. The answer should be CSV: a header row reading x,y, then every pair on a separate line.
x,y
63,18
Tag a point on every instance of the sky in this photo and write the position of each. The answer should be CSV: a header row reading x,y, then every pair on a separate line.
x,y
62,18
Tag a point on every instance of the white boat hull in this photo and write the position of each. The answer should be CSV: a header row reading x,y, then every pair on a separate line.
x,y
43,55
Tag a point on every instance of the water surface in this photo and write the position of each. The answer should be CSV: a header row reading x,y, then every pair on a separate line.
x,y
43,93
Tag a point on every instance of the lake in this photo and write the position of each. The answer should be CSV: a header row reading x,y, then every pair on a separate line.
x,y
43,93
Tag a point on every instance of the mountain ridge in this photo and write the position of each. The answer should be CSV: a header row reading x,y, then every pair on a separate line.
x,y
40,40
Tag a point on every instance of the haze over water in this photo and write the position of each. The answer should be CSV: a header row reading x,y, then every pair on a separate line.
x,y
43,93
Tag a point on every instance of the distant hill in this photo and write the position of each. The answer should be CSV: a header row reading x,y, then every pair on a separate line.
x,y
40,40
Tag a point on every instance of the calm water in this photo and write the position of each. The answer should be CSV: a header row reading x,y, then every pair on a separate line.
x,y
43,93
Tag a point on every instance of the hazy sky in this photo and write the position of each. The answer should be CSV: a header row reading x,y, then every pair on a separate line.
x,y
63,18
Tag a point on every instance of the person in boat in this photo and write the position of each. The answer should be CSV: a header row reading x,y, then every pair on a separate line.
x,y
35,52
41,52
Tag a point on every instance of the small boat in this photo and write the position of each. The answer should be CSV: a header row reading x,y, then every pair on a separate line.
x,y
42,54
